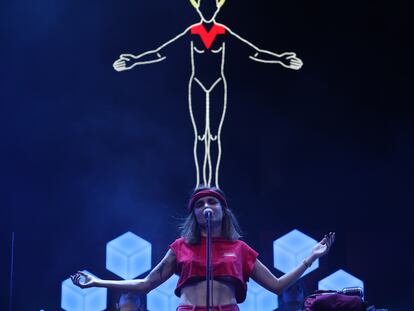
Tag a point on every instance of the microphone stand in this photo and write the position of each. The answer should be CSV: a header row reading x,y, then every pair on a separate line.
x,y
209,274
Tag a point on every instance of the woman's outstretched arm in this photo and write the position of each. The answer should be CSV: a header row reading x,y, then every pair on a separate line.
x,y
262,275
162,272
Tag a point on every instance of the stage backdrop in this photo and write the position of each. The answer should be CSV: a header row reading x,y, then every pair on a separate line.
x,y
88,153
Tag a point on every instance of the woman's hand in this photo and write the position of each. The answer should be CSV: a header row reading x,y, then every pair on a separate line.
x,y
83,280
322,248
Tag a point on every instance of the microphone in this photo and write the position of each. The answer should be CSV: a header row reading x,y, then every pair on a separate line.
x,y
353,291
208,211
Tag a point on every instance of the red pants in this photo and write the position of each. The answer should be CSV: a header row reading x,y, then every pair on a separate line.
x,y
215,308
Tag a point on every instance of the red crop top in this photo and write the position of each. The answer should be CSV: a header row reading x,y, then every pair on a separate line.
x,y
230,258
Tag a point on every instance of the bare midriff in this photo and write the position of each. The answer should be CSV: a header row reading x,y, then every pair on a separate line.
x,y
224,292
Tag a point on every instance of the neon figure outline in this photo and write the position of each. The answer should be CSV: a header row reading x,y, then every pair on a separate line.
x,y
128,61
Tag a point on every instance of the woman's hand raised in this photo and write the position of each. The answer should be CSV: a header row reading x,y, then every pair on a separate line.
x,y
323,247
83,280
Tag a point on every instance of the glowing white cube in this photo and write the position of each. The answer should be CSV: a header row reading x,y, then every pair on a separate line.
x,y
128,256
339,280
258,298
290,250
77,299
163,298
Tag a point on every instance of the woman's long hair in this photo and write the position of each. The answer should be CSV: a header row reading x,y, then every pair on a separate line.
x,y
190,229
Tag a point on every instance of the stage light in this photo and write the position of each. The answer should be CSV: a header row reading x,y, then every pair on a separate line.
x,y
162,298
258,298
128,256
290,249
77,299
339,280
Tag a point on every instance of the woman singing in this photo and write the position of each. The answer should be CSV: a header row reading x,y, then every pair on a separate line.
x,y
234,262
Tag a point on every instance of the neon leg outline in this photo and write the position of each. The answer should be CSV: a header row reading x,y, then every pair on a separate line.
x,y
207,137
190,107
222,116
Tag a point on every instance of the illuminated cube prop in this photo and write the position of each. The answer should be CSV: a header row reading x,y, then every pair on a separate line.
x,y
128,256
162,298
77,299
258,298
290,250
339,280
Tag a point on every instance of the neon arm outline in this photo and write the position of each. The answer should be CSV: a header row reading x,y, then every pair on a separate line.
x,y
295,63
121,63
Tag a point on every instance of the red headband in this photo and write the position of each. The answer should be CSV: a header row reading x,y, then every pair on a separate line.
x,y
206,193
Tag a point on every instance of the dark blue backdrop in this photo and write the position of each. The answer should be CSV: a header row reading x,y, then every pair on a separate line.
x,y
88,153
